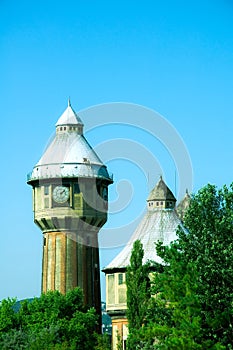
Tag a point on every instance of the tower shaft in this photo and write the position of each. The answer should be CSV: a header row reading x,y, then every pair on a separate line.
x,y
68,261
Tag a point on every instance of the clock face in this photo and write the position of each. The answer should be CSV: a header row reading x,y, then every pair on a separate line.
x,y
61,194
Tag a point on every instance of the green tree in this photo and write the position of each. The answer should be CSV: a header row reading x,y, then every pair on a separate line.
x,y
197,280
209,245
52,321
8,318
138,293
176,299
103,342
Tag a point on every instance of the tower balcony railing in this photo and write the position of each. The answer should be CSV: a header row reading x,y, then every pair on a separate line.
x,y
47,174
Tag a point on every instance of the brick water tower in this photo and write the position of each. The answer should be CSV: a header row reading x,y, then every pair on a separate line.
x,y
70,201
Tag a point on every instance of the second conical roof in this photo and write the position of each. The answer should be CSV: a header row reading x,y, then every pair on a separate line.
x,y
161,192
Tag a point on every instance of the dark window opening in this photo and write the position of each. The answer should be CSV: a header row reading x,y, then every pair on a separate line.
x,y
105,194
120,278
76,188
46,190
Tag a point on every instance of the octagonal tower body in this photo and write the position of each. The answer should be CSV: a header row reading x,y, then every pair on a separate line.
x,y
70,203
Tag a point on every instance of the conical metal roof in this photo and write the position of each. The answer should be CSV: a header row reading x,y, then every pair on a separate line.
x,y
158,225
69,154
161,192
69,117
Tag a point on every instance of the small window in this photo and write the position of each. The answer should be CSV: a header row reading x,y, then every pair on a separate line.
x,y
105,194
70,128
111,290
120,278
46,190
64,127
76,188
46,202
157,203
161,203
61,128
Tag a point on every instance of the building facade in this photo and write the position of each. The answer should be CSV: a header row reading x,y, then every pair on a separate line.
x,y
159,223
70,204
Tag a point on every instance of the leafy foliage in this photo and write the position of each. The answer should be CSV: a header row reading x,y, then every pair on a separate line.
x,y
138,293
53,321
197,282
103,342
209,245
192,303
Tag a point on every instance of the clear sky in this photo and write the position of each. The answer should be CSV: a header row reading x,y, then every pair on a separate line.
x,y
174,57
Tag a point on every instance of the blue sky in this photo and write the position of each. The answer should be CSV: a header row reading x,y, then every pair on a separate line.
x,y
174,57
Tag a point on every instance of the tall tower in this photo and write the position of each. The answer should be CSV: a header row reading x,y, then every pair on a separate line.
x,y
70,202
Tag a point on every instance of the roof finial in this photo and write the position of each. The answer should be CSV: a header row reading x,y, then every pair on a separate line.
x,y
69,104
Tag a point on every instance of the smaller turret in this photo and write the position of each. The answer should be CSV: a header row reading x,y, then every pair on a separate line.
x,y
69,121
161,197
182,207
